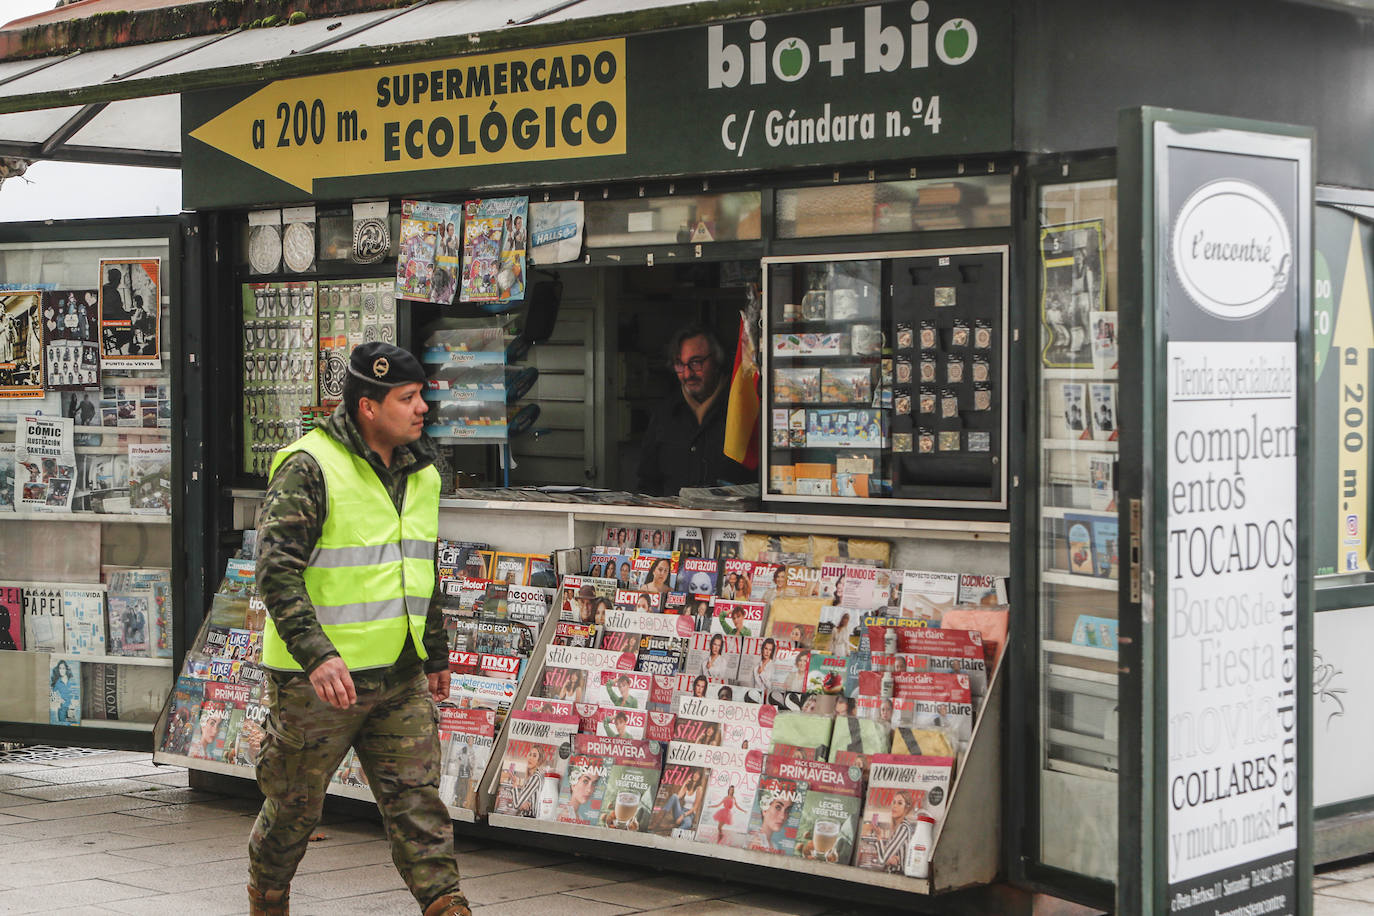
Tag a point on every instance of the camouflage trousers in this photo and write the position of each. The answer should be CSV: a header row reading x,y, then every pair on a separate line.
x,y
394,728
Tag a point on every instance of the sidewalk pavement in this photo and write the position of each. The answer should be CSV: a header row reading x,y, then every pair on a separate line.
x,y
86,832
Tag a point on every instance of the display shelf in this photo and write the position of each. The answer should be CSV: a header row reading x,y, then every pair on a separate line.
x,y
163,431
1078,769
119,518
135,660
1066,738
679,846
1100,445
114,725
933,528
1085,674
1068,648
1060,512
1103,375
49,583
1054,577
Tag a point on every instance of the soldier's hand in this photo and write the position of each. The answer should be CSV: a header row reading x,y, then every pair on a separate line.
x,y
438,685
334,684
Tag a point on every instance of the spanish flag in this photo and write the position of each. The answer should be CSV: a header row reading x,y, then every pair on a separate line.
x,y
742,415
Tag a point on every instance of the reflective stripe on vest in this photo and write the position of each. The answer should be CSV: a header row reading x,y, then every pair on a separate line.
x,y
371,575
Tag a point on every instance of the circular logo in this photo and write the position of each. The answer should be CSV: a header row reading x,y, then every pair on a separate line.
x,y
1231,249
380,367
956,41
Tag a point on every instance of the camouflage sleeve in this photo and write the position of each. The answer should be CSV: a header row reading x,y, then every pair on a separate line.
x,y
436,640
292,520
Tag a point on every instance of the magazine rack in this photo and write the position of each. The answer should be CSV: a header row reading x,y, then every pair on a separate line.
x,y
965,852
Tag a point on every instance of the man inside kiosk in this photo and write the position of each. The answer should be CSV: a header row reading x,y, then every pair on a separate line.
x,y
684,445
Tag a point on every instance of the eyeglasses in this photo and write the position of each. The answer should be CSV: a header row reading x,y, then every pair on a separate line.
x,y
695,364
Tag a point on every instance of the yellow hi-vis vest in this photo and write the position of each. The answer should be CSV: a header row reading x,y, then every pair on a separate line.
x,y
371,576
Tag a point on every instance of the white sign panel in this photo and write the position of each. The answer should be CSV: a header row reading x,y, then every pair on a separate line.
x,y
1342,706
1234,223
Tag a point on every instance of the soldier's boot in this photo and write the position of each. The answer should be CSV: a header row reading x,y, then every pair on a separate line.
x,y
269,903
449,905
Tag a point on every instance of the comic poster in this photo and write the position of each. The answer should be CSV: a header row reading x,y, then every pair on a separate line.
x,y
45,465
428,264
130,313
494,240
21,345
72,353
1071,291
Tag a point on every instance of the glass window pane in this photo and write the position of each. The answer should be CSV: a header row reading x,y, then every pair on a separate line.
x,y
1080,558
895,206
693,219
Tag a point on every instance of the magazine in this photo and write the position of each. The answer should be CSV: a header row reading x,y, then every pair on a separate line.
x,y
767,663
44,629
1103,397
795,619
681,795
1078,544
699,575
182,714
714,655
737,618
150,478
494,244
12,617
126,693
856,586
900,787
427,263
72,339
625,689
1103,326
927,595
731,782
807,809
83,616
7,501
64,695
536,742
982,590
45,464
466,737
611,782
129,621
1102,482
801,736
725,543
944,649
744,725
21,345
688,542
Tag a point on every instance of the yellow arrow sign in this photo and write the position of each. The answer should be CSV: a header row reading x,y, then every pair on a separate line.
x,y
1353,339
535,105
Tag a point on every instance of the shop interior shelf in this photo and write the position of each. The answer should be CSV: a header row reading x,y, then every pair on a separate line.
x,y
98,517
162,431
1078,769
1106,374
1053,577
1068,648
1087,445
1060,512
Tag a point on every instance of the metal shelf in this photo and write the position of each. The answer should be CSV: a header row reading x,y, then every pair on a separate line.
x,y
1068,648
1060,512
1100,445
1062,578
101,517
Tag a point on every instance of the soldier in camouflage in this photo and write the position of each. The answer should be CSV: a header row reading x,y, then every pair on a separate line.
x,y
387,712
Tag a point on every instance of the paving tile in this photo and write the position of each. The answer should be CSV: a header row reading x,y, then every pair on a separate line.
x,y
659,892
719,908
503,859
596,868
93,893
70,826
75,807
547,904
349,882
188,832
331,858
88,773
176,795
1352,890
386,903
170,776
769,902
9,800
73,868
173,854
57,849
170,879
1351,872
531,882
1323,905
11,781
212,901
152,810
108,758
1319,882
64,791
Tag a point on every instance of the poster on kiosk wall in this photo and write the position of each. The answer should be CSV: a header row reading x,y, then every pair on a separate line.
x,y
1234,221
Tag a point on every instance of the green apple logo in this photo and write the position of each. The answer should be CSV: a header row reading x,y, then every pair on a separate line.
x,y
956,41
791,59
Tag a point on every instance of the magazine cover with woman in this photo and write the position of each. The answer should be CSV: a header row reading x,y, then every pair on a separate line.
x,y
536,743
806,809
899,788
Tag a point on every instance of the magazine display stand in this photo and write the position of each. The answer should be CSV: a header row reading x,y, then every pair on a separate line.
x,y
965,852
85,545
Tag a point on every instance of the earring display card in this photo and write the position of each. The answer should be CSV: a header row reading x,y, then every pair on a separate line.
x,y
279,367
954,303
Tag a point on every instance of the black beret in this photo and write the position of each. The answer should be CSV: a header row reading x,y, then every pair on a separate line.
x,y
384,364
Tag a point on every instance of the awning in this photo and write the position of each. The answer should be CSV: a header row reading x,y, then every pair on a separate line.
x,y
122,105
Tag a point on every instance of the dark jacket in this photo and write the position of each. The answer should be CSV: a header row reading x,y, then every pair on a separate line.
x,y
291,523
678,452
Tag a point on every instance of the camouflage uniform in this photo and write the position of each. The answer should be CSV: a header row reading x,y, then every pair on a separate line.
x,y
394,724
